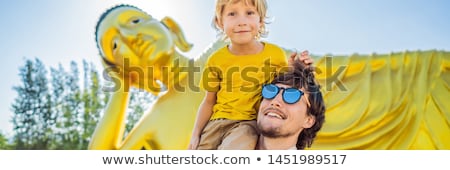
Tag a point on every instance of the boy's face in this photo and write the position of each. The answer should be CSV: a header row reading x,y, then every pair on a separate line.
x,y
241,22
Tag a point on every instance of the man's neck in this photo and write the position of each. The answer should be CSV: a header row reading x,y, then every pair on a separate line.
x,y
285,143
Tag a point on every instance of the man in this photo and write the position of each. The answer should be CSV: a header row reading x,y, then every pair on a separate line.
x,y
292,110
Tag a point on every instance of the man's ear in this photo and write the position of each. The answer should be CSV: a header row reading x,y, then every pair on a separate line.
x,y
177,34
309,121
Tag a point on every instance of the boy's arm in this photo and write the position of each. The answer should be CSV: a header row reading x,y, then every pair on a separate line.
x,y
203,116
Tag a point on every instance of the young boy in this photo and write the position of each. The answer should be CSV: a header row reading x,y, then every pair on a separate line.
x,y
234,76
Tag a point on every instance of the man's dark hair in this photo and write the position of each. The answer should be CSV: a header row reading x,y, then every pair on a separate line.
x,y
301,76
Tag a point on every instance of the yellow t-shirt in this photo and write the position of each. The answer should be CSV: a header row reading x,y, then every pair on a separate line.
x,y
238,80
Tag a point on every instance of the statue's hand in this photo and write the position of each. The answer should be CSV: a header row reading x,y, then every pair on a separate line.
x,y
117,79
138,79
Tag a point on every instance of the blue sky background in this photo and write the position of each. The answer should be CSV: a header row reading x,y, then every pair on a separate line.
x,y
62,31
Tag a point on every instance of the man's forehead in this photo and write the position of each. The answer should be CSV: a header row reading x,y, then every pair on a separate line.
x,y
287,86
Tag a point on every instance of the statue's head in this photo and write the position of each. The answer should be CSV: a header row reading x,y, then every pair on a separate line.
x,y
128,38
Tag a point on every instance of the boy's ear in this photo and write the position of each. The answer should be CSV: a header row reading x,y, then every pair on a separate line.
x,y
177,34
218,23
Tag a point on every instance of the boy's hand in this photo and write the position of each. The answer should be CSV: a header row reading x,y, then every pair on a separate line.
x,y
194,143
303,57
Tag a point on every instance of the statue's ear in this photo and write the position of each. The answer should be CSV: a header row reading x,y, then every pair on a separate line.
x,y
178,35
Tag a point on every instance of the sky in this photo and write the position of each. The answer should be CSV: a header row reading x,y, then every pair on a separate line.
x,y
58,32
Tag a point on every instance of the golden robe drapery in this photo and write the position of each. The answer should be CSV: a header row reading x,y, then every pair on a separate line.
x,y
391,101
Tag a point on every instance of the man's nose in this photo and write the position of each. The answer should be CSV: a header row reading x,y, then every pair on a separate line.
x,y
276,102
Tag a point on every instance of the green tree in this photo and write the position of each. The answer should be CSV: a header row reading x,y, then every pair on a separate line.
x,y
46,118
69,132
92,102
61,114
33,120
4,143
23,120
59,78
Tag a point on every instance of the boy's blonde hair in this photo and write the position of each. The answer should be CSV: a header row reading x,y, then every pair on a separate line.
x,y
261,8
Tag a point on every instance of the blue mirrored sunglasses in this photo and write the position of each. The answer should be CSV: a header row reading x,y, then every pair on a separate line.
x,y
290,95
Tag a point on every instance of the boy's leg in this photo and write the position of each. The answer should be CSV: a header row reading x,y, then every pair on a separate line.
x,y
242,136
212,135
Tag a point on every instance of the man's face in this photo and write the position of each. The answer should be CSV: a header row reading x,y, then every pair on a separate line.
x,y
279,119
